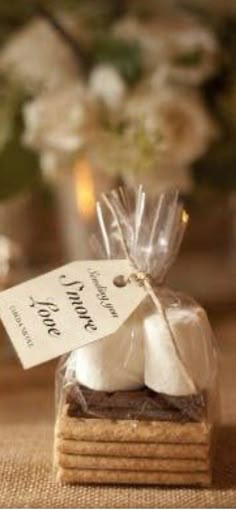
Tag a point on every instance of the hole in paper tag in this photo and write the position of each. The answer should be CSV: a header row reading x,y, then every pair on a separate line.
x,y
120,281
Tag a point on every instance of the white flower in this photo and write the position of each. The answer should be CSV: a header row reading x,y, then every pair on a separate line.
x,y
56,123
194,54
177,117
160,136
187,49
37,57
106,83
128,159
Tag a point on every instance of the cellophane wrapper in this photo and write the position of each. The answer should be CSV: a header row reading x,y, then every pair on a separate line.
x,y
138,372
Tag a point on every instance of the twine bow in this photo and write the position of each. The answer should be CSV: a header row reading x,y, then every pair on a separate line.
x,y
145,279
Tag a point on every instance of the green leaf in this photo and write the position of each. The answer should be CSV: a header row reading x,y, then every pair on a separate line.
x,y
126,57
19,169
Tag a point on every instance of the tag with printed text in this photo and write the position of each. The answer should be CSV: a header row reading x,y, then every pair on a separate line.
x,y
67,308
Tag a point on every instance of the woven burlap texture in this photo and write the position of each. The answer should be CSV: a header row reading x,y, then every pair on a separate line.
x,y
26,440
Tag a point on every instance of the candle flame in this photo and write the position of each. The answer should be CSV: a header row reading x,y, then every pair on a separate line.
x,y
185,217
84,189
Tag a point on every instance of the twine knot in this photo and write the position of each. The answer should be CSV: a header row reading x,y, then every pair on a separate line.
x,y
141,277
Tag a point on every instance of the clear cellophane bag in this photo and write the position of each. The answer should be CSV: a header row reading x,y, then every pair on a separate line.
x,y
162,363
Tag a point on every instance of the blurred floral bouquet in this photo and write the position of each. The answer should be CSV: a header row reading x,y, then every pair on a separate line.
x,y
139,90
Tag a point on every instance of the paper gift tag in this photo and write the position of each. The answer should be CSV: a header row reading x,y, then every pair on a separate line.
x,y
67,308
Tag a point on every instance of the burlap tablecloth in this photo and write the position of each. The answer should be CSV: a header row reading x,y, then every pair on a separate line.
x,y
26,438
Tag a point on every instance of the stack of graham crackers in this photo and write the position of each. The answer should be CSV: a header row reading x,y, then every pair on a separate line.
x,y
145,450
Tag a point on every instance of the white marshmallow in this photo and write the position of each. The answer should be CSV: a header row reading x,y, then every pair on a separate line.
x,y
163,370
113,363
141,353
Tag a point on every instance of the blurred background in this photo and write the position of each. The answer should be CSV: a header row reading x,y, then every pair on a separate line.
x,y
118,92
96,94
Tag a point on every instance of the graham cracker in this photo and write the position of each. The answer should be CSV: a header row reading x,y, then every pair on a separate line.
x,y
133,477
110,430
131,464
132,449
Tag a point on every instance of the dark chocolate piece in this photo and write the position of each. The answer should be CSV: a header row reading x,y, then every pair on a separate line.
x,y
141,404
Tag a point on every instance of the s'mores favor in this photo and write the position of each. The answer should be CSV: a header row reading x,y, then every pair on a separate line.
x,y
138,406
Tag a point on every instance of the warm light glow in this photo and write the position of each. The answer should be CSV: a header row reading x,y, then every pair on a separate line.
x,y
84,189
185,217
